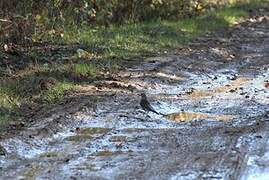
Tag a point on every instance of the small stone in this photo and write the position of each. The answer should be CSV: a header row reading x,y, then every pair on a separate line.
x,y
67,160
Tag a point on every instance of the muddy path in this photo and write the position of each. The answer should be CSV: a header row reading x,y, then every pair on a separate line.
x,y
215,98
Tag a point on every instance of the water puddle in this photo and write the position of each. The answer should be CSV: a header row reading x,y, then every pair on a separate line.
x,y
121,138
169,76
51,154
232,87
189,116
87,133
108,153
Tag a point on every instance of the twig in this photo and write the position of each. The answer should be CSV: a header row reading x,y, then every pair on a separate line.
x,y
5,20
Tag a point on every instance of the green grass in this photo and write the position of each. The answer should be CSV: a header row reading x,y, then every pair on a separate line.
x,y
135,40
58,92
26,87
6,117
26,90
8,103
8,98
85,70
231,15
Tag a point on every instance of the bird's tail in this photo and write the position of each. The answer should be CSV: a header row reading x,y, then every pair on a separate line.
x,y
159,113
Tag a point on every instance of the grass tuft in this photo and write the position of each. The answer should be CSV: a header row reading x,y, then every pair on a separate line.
x,y
57,93
85,70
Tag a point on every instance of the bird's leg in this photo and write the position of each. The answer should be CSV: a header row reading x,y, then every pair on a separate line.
x,y
147,114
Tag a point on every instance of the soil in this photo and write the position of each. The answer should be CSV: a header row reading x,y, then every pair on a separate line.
x,y
214,94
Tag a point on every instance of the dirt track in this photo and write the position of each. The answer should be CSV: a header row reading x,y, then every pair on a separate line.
x,y
215,94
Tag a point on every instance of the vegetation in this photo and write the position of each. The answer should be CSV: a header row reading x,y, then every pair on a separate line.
x,y
49,47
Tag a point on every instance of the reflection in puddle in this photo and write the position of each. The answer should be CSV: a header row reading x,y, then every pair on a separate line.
x,y
235,84
93,130
86,167
88,133
50,154
78,138
119,139
172,77
188,116
108,153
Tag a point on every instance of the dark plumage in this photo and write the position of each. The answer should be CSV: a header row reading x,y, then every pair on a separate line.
x,y
144,103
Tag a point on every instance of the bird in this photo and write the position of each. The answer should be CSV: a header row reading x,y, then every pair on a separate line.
x,y
144,103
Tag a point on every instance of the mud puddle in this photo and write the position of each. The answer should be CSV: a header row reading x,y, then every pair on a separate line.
x,y
215,125
189,116
204,131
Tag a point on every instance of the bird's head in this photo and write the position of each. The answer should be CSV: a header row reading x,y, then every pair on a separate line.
x,y
143,96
